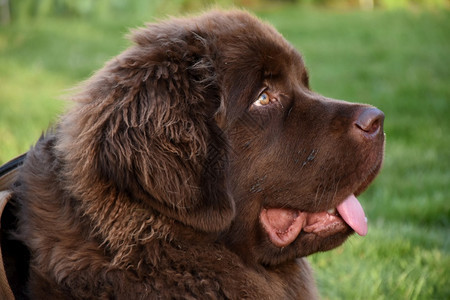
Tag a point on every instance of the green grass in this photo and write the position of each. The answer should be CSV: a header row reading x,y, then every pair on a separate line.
x,y
398,61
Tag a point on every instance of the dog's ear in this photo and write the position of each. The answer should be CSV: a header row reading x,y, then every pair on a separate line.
x,y
144,126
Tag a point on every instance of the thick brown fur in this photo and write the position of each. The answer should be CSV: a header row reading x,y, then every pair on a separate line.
x,y
151,186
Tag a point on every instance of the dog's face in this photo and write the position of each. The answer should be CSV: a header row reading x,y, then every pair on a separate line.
x,y
298,159
211,122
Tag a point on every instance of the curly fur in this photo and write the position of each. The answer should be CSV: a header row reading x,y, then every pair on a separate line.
x,y
150,186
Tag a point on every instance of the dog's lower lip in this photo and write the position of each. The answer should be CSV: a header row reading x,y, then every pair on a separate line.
x,y
283,225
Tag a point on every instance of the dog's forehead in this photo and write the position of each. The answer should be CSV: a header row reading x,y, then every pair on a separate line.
x,y
236,37
246,42
277,57
243,50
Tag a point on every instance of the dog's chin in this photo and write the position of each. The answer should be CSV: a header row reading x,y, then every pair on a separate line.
x,y
305,244
292,233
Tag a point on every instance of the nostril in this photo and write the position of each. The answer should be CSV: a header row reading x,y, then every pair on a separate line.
x,y
370,120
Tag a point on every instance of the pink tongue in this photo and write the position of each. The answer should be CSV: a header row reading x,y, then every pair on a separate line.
x,y
353,214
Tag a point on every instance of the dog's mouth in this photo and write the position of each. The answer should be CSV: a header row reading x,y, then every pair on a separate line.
x,y
283,225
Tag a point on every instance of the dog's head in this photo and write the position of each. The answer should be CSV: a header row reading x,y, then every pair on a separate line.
x,y
210,121
298,159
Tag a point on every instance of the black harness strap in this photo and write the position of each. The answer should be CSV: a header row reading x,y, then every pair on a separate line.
x,y
8,171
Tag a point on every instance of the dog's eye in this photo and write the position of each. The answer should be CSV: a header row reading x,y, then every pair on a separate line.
x,y
263,99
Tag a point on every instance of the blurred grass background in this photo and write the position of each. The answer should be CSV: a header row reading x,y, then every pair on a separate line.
x,y
389,53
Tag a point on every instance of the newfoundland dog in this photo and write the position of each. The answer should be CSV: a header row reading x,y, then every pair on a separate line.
x,y
197,164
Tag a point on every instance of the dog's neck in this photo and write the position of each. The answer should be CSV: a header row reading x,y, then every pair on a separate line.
x,y
134,234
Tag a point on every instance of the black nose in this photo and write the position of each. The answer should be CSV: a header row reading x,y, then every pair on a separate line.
x,y
370,120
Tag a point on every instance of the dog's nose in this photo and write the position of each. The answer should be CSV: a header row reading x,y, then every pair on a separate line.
x,y
370,120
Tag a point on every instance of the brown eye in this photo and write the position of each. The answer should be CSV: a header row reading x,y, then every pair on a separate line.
x,y
263,99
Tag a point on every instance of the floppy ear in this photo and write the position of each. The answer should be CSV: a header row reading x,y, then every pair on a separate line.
x,y
144,126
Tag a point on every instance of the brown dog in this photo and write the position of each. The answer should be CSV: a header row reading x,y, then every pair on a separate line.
x,y
197,164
